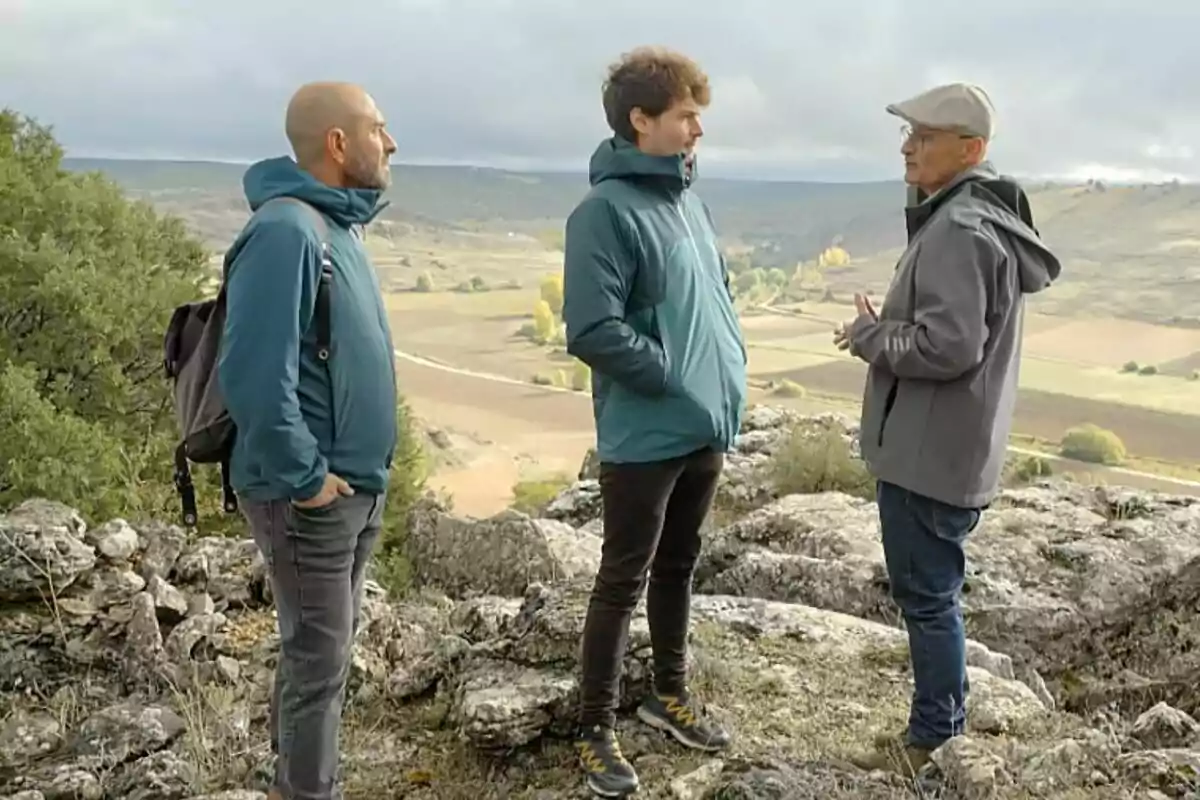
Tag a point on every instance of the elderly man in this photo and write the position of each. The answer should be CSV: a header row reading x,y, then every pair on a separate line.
x,y
943,354
316,419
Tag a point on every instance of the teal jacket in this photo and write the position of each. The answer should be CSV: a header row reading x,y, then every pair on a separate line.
x,y
647,306
298,418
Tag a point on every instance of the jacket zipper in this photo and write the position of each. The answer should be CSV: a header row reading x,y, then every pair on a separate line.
x,y
680,210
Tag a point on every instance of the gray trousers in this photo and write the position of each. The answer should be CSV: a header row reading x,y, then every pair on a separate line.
x,y
316,559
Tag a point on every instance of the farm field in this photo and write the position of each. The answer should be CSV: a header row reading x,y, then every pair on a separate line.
x,y
1065,380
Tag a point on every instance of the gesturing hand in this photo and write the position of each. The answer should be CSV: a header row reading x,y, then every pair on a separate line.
x,y
841,334
862,305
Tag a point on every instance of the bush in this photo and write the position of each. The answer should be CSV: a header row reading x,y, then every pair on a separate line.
x,y
581,377
1093,444
787,388
819,461
1131,366
1149,369
531,496
88,281
1026,469
424,283
406,484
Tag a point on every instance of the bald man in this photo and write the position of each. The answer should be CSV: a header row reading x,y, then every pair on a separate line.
x,y
307,373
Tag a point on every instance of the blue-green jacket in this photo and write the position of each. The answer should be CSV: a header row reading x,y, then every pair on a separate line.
x,y
647,306
298,418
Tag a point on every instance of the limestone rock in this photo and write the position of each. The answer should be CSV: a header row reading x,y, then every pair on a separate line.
x,y
500,555
170,604
164,775
27,737
127,730
231,571
971,770
1163,727
42,551
160,546
115,540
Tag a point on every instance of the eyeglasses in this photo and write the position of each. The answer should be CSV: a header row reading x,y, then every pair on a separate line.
x,y
924,137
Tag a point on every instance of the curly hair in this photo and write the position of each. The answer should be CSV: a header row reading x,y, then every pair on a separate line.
x,y
652,79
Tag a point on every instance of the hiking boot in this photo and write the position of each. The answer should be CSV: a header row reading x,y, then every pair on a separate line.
x,y
680,717
891,756
608,773
885,740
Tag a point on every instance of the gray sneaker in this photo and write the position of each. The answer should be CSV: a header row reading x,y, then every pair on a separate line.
x,y
684,720
608,773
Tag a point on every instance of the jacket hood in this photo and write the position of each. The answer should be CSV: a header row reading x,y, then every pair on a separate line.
x,y
618,158
283,177
1000,201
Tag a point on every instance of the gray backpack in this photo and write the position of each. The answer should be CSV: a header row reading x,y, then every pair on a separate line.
x,y
191,347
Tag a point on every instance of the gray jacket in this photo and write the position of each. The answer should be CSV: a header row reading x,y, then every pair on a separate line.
x,y
944,353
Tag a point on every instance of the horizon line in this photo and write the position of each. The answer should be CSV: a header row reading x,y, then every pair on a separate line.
x,y
450,164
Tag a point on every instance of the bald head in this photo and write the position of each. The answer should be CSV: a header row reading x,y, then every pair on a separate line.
x,y
336,127
318,108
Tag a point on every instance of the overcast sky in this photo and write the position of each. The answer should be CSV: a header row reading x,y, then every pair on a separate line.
x,y
1082,89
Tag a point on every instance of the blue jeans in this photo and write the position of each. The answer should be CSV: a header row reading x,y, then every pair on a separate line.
x,y
923,546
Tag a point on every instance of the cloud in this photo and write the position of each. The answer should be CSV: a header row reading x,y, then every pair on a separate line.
x,y
799,88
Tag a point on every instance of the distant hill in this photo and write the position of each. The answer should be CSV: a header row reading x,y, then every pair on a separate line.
x,y
792,220
1129,251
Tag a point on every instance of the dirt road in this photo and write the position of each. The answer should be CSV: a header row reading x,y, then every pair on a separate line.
x,y
528,430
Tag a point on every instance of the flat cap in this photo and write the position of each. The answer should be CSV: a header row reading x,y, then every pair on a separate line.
x,y
962,107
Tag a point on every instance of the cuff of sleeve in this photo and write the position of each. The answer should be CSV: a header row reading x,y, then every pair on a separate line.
x,y
311,488
860,324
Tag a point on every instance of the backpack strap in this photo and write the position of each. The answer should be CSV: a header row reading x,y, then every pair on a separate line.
x,y
184,485
322,312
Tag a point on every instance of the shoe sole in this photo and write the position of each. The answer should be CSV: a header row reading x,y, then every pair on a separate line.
x,y
661,724
596,790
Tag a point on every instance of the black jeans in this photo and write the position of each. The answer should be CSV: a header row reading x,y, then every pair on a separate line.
x,y
652,518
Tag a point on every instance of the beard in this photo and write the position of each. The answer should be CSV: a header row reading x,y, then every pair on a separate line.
x,y
367,172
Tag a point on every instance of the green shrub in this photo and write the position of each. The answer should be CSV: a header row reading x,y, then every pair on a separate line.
x,y
88,281
787,388
406,484
1093,444
810,461
530,496
1025,469
1131,366
1149,369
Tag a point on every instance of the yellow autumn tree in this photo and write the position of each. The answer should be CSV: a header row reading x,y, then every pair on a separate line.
x,y
552,293
833,257
544,324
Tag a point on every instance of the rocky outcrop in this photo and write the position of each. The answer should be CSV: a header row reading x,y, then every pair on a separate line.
x,y
137,662
499,555
1093,588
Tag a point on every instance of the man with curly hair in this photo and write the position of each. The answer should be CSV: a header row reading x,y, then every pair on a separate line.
x,y
647,306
